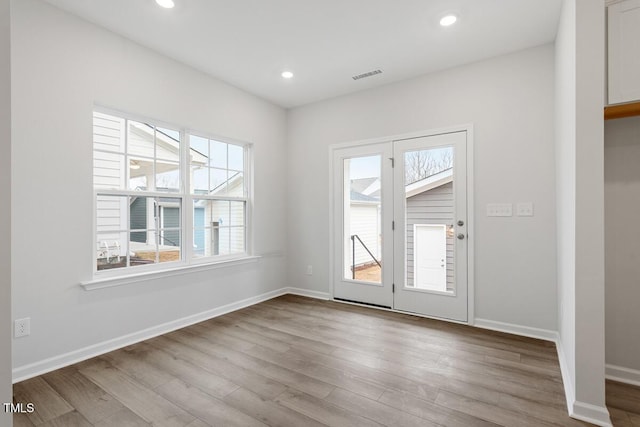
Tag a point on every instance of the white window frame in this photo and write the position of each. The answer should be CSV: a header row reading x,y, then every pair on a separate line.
x,y
123,275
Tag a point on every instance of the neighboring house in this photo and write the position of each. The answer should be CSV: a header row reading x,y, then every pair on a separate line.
x,y
429,212
218,225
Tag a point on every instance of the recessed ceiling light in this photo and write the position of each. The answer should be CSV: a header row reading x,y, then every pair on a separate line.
x,y
167,4
287,74
447,20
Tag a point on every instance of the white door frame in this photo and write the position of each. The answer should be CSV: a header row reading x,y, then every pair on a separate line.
x,y
468,128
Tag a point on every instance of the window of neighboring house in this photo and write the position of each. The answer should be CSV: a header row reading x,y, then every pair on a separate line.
x,y
140,183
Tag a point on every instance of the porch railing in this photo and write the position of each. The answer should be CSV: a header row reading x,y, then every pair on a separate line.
x,y
355,237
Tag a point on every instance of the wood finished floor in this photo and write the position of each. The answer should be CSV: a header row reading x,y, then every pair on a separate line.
x,y
295,361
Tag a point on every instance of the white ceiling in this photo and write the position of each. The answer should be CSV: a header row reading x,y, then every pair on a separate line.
x,y
248,43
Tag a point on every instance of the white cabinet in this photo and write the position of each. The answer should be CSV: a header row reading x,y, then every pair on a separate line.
x,y
624,51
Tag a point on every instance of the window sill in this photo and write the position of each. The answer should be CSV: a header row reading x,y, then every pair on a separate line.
x,y
109,282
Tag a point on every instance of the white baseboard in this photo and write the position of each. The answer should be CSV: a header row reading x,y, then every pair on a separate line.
x,y
567,382
525,331
598,415
623,375
38,368
307,293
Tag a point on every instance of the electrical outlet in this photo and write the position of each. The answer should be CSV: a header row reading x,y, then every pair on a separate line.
x,y
524,209
22,327
309,270
499,209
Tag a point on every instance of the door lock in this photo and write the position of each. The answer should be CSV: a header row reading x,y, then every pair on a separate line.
x,y
460,223
460,236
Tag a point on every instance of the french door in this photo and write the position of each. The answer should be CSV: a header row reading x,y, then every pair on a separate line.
x,y
400,225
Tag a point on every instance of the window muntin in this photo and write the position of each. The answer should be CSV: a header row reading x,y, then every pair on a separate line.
x,y
140,182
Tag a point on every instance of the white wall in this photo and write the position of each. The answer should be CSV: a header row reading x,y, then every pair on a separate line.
x,y
580,200
61,67
565,189
622,241
5,211
590,39
509,100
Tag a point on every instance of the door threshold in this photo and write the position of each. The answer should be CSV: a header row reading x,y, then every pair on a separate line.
x,y
368,304
387,308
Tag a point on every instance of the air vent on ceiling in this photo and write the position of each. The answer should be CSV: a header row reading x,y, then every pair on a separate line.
x,y
369,74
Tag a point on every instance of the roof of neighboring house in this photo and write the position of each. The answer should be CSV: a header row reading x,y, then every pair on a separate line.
x,y
429,183
359,197
361,184
367,186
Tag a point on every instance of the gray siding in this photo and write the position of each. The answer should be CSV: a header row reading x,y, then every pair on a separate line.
x,y
171,219
138,218
431,207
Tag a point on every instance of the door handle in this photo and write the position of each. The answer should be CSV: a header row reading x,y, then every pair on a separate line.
x,y
460,236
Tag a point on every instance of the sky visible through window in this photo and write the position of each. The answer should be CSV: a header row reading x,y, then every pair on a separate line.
x,y
369,167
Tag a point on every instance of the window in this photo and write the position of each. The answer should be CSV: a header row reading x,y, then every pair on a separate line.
x,y
141,173
219,197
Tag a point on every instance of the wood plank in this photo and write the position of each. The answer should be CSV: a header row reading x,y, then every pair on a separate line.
x,y
277,373
131,360
87,398
623,396
323,330
555,414
269,412
235,330
381,378
205,407
337,377
48,403
139,399
320,410
430,411
275,335
487,412
405,339
537,381
443,331
620,418
375,411
21,420
70,419
123,418
210,383
256,382
623,110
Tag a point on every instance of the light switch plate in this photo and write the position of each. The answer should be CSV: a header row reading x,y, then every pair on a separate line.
x,y
524,209
499,209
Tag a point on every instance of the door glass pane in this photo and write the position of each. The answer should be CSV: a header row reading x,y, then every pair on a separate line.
x,y
429,219
362,219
